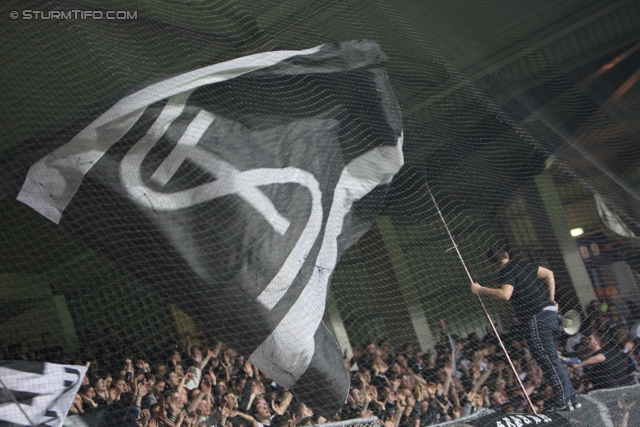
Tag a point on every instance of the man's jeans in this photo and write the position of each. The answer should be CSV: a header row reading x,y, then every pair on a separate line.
x,y
543,327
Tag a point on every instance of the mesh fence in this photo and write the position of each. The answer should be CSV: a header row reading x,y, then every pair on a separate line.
x,y
212,204
602,408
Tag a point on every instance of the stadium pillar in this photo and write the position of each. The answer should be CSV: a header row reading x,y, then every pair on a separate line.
x,y
556,219
66,320
402,282
333,321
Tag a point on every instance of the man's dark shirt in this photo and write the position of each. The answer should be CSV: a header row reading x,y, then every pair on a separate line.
x,y
238,422
148,401
349,413
431,415
598,373
49,354
100,400
530,294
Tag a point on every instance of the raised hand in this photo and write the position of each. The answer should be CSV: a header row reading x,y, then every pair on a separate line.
x,y
367,398
457,412
248,369
88,400
350,401
443,406
142,390
448,368
206,384
392,397
258,388
175,403
372,392
226,410
411,401
165,421
114,394
363,380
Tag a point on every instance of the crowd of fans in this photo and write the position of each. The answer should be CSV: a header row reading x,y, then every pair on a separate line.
x,y
188,385
466,374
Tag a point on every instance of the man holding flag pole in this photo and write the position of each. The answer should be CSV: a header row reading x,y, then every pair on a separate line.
x,y
531,291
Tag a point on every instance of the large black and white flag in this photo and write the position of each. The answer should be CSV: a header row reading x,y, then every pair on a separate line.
x,y
37,393
233,189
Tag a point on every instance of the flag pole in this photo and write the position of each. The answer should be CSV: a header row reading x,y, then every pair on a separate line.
x,y
486,313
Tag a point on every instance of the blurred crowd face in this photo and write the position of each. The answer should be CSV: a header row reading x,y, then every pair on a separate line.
x,y
174,380
410,350
262,409
385,347
100,385
357,396
478,400
158,387
498,399
122,386
371,349
407,381
395,368
232,400
402,361
203,408
90,393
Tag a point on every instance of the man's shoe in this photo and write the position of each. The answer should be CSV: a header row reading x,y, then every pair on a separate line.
x,y
562,408
576,404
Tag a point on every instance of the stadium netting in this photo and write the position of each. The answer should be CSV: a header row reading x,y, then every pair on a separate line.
x,y
258,186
